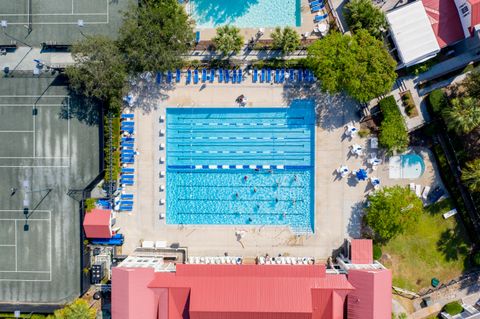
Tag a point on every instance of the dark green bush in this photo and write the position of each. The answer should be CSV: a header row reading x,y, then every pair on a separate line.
x,y
393,133
453,308
377,252
437,100
476,258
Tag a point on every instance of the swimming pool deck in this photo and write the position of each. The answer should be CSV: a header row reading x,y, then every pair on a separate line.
x,y
338,202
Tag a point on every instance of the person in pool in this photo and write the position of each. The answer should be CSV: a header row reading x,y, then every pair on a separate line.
x,y
245,178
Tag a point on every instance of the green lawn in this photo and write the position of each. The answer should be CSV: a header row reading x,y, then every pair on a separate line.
x,y
433,247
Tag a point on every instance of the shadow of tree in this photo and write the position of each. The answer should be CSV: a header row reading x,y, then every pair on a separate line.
x,y
332,111
148,95
84,109
452,244
354,227
216,11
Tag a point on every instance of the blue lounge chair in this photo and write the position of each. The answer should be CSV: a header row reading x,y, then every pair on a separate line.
x,y
315,3
128,123
227,76
282,75
291,78
269,75
126,203
127,129
319,18
212,75
234,76
317,8
277,76
126,176
127,144
255,76
189,77
204,75
262,78
239,76
220,75
127,116
126,182
306,75
300,76
178,76
158,78
128,170
169,77
195,76
128,139
126,196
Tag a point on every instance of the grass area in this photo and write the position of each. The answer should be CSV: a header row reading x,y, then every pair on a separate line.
x,y
433,247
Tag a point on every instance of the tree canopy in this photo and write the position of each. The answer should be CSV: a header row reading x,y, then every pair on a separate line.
x,y
228,40
393,133
155,35
358,64
391,211
287,40
471,175
472,84
79,309
463,115
362,14
99,71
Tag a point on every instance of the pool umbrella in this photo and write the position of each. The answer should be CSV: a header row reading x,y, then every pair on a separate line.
x,y
351,130
361,174
375,181
343,170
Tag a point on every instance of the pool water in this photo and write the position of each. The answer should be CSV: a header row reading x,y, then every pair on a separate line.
x,y
246,13
413,166
244,166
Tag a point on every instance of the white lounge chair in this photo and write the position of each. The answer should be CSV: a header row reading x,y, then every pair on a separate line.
x,y
162,187
162,146
418,190
162,160
162,118
162,201
162,173
162,132
425,192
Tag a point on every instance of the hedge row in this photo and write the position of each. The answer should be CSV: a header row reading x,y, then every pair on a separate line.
x,y
393,133
114,151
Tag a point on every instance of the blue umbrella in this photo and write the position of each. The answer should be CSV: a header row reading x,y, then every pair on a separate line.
x,y
362,174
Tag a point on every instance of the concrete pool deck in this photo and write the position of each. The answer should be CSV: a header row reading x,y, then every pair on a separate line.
x,y
338,202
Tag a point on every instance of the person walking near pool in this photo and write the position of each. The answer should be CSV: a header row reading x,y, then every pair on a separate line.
x,y
254,190
295,178
237,196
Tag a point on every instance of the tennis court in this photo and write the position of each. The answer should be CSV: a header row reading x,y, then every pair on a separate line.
x,y
27,123
47,154
57,21
26,256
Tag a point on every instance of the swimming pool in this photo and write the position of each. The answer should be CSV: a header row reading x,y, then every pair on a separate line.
x,y
245,13
407,166
244,166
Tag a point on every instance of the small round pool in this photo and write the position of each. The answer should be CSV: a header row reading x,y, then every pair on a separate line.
x,y
412,166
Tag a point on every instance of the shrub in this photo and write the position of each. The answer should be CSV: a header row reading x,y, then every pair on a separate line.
x,y
393,133
364,132
377,252
436,100
89,204
476,258
453,308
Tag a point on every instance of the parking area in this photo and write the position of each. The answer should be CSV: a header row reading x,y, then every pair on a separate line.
x,y
47,156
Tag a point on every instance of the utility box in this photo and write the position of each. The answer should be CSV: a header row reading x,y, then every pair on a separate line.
x,y
97,273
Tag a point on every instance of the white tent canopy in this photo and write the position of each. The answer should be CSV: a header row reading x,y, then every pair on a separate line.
x,y
412,33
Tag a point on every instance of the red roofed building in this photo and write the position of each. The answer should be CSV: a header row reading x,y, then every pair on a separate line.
x,y
98,224
445,21
361,251
372,297
220,291
469,13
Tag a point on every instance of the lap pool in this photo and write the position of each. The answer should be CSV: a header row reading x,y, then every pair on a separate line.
x,y
228,166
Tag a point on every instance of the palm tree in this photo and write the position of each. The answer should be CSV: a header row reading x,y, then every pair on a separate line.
x,y
471,175
228,40
463,115
287,40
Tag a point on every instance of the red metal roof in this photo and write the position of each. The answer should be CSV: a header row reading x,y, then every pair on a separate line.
x,y
372,297
446,24
361,251
260,292
97,224
475,7
130,296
